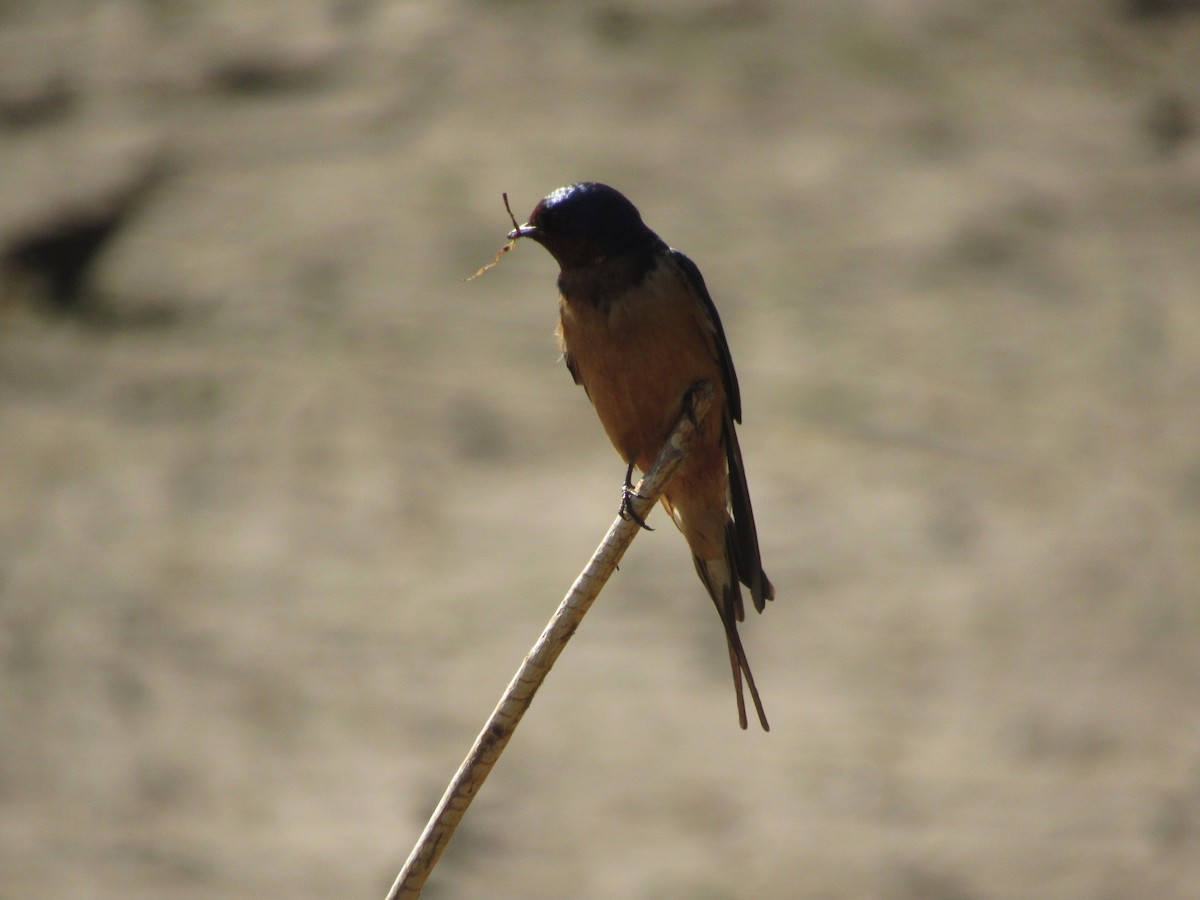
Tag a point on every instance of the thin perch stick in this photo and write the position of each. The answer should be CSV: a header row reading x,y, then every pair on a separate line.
x,y
519,693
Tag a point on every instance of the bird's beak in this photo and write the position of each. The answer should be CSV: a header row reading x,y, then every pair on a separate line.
x,y
526,230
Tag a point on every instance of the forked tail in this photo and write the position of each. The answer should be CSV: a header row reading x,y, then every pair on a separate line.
x,y
720,580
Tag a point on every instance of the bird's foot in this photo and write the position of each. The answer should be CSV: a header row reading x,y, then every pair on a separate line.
x,y
628,493
689,404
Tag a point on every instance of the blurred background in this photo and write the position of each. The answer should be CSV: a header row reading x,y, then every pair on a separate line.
x,y
283,502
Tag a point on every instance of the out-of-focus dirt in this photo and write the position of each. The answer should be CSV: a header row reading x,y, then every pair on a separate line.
x,y
283,502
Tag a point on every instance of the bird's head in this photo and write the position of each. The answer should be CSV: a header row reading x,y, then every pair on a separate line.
x,y
586,222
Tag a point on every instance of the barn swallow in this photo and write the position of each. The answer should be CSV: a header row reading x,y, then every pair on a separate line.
x,y
638,330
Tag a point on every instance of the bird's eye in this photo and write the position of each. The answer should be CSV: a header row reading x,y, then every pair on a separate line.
x,y
557,221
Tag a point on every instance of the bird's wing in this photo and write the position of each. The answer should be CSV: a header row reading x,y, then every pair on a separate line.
x,y
714,330
744,541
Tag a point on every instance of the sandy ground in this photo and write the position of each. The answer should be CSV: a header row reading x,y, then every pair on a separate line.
x,y
283,502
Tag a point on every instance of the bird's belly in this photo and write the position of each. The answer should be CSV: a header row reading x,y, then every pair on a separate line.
x,y
637,358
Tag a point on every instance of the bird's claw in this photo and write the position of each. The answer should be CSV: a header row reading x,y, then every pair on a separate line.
x,y
628,494
689,404
626,510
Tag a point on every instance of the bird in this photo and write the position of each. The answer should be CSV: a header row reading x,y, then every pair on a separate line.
x,y
638,330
